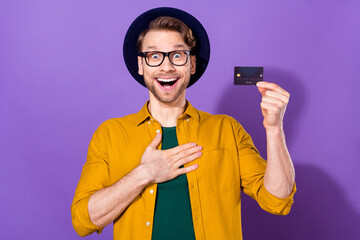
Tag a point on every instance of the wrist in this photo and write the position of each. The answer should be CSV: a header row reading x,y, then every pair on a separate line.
x,y
274,131
142,175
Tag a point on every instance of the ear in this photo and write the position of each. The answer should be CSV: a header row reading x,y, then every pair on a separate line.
x,y
140,66
192,64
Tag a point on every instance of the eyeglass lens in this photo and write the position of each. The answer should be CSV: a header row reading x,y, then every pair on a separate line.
x,y
156,58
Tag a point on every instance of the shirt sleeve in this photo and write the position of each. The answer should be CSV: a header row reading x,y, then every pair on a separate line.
x,y
252,171
94,176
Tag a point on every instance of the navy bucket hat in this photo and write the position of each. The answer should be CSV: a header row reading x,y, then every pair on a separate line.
x,y
141,23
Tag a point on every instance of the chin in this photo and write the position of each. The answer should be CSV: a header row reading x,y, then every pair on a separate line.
x,y
167,97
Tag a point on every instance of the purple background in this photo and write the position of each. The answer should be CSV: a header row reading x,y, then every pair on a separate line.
x,y
62,74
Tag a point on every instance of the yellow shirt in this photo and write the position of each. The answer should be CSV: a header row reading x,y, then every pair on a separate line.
x,y
230,164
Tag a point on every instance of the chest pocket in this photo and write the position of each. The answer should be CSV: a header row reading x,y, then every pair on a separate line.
x,y
219,170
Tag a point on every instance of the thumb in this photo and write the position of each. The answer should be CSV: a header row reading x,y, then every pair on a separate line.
x,y
156,141
262,90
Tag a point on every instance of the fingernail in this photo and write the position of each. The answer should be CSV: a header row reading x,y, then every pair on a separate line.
x,y
259,84
199,147
193,144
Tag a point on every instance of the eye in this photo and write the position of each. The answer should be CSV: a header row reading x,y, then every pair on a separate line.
x,y
177,55
155,56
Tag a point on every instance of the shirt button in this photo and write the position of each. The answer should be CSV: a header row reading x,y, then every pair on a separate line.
x,y
147,223
148,122
157,131
151,191
188,119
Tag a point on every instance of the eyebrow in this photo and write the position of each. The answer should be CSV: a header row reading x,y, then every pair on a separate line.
x,y
180,46
152,47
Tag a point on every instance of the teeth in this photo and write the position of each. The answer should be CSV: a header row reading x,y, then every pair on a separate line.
x,y
166,79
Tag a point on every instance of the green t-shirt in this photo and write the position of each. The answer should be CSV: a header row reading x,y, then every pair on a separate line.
x,y
172,218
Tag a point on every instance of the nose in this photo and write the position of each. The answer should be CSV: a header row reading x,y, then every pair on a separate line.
x,y
166,65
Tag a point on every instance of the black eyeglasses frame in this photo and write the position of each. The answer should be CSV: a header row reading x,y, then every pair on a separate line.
x,y
166,54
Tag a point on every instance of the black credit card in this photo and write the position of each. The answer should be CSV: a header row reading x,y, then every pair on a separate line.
x,y
248,75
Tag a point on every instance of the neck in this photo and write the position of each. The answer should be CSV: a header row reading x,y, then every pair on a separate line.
x,y
167,113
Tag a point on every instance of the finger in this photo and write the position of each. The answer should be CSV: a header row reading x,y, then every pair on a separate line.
x,y
188,159
269,107
262,90
182,147
187,152
278,96
272,87
187,169
274,101
156,141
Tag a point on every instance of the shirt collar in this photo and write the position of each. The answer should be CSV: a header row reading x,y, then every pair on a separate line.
x,y
190,111
144,113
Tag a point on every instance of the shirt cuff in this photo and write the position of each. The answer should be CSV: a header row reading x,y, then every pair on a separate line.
x,y
86,225
276,205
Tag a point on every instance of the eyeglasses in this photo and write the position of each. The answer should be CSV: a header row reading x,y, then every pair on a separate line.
x,y
156,58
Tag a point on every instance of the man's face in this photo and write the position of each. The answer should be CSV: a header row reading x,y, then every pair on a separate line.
x,y
166,82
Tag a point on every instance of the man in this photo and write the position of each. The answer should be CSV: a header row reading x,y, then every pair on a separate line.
x,y
171,171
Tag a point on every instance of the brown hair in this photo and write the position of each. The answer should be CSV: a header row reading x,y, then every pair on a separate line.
x,y
170,24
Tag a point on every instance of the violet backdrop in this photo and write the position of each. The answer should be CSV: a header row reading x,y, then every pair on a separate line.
x,y
62,74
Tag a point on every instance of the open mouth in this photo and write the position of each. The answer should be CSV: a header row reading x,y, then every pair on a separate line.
x,y
167,82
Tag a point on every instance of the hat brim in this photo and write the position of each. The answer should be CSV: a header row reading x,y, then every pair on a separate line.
x,y
141,23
